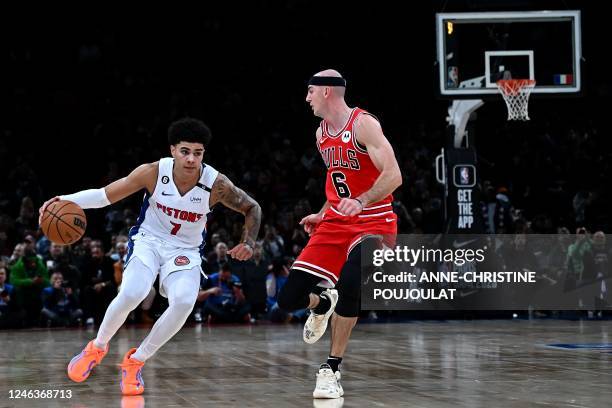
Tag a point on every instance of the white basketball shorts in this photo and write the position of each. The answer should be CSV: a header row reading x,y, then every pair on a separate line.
x,y
161,257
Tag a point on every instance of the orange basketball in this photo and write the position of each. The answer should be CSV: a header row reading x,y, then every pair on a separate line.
x,y
63,222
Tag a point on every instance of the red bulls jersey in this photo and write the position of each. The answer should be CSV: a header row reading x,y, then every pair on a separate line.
x,y
350,170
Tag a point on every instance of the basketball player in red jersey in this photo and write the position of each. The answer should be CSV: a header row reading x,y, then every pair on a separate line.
x,y
362,172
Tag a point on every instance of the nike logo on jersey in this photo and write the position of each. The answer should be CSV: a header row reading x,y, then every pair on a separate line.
x,y
389,219
166,194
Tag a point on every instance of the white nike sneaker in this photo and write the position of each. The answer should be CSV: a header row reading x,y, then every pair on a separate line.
x,y
317,324
327,383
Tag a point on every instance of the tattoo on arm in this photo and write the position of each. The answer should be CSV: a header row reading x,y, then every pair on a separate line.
x,y
226,193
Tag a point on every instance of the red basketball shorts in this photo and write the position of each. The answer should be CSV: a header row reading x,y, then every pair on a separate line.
x,y
336,236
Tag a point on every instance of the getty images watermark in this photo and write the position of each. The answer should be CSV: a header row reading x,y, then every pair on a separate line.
x,y
454,257
480,272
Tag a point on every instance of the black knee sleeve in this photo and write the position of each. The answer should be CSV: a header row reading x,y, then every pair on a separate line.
x,y
294,294
349,285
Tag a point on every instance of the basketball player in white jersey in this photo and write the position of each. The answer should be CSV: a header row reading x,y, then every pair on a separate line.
x,y
167,239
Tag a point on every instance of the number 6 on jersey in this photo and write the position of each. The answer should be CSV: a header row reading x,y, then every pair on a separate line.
x,y
342,189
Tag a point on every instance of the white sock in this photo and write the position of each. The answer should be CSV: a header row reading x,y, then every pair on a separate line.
x,y
99,345
182,289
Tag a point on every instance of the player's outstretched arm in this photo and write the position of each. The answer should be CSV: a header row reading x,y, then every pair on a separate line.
x,y
144,176
370,134
226,193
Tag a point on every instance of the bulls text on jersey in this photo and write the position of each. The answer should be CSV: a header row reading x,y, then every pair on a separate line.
x,y
337,157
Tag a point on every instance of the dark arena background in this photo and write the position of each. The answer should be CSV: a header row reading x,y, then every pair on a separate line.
x,y
88,95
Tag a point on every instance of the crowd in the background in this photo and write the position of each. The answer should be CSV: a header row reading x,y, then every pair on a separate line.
x,y
42,283
82,111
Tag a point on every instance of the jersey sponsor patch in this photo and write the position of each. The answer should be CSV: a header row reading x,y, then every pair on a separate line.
x,y
181,260
346,136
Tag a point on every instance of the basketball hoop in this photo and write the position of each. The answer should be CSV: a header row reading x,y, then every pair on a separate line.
x,y
516,94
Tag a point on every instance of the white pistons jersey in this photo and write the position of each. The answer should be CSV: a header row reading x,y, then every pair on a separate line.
x,y
175,219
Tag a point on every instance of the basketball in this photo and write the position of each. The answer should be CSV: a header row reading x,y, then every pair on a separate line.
x,y
63,222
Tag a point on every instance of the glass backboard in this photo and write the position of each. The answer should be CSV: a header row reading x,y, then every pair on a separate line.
x,y
474,50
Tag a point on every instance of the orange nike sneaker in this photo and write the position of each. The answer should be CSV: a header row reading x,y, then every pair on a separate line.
x,y
131,375
81,365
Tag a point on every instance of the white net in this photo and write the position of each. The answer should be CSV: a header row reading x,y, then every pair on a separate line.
x,y
516,94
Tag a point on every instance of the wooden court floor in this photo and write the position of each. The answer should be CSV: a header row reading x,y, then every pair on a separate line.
x,y
416,364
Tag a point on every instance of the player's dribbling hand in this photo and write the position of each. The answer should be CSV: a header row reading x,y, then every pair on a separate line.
x,y
310,222
350,207
241,252
43,207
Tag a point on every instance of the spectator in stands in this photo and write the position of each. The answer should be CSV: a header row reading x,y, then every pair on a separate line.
x,y
42,245
98,285
10,315
252,274
577,254
273,244
29,275
217,258
17,254
497,211
28,217
518,256
60,305
215,238
600,263
71,274
58,259
580,202
30,245
556,258
119,264
54,255
119,247
225,301
602,254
